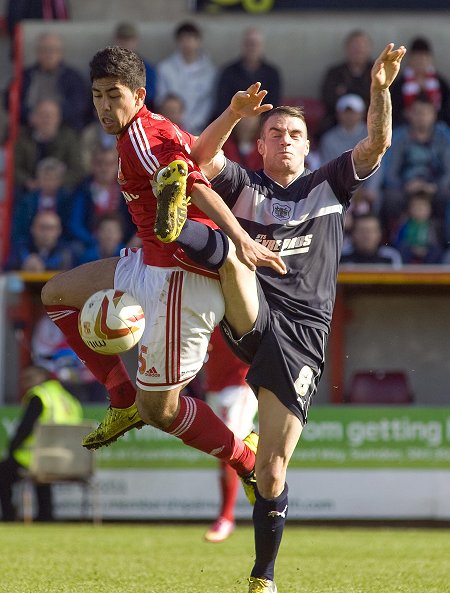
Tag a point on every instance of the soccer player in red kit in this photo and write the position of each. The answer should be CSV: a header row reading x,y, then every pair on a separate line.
x,y
182,301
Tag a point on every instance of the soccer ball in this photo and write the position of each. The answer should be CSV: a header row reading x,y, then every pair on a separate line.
x,y
111,321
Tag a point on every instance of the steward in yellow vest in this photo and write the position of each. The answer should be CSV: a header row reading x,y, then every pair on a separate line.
x,y
45,400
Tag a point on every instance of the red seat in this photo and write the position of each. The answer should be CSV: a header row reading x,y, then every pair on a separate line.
x,y
380,387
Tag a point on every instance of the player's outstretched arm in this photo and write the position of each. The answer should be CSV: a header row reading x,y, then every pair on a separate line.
x,y
207,149
249,252
368,153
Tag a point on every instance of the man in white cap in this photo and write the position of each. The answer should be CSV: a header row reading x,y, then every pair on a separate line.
x,y
350,129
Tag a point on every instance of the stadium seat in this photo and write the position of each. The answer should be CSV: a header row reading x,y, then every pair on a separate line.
x,y
59,458
379,388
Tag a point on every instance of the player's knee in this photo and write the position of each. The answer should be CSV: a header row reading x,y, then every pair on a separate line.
x,y
155,408
51,292
270,480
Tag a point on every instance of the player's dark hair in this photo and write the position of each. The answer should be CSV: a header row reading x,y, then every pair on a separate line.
x,y
287,110
119,63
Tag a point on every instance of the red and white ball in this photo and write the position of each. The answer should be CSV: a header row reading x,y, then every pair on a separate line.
x,y
111,322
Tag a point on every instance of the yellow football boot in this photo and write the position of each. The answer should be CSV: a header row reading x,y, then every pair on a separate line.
x,y
117,422
249,481
257,585
172,202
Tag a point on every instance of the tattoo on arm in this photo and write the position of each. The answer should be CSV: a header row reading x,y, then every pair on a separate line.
x,y
368,152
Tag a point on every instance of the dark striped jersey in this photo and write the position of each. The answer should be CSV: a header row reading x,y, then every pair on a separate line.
x,y
304,223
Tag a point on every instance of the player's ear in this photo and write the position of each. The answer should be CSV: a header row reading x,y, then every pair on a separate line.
x,y
260,146
140,96
307,146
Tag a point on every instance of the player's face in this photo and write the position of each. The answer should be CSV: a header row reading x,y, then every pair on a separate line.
x,y
284,144
116,104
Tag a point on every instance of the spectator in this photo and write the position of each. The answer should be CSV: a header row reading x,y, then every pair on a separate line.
x,y
349,77
241,145
108,239
420,77
351,127
172,107
251,67
44,400
44,250
127,36
98,194
188,72
50,78
418,239
366,247
94,138
418,161
49,349
45,136
49,194
231,398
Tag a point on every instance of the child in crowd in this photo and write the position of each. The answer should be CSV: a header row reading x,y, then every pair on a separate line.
x,y
418,239
50,194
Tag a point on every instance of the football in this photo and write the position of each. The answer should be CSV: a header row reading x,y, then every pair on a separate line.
x,y
111,322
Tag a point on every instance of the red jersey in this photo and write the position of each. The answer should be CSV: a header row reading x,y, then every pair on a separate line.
x,y
223,368
150,142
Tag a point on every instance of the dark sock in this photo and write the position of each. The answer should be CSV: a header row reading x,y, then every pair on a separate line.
x,y
269,517
203,244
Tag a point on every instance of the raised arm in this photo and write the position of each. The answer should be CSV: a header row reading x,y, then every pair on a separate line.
x,y
368,153
207,149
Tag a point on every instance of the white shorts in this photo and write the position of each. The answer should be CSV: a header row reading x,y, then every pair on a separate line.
x,y
236,406
181,310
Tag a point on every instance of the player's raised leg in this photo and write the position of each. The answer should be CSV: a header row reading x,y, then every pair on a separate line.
x,y
63,296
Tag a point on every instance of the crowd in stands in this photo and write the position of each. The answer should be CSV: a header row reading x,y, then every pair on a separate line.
x,y
68,207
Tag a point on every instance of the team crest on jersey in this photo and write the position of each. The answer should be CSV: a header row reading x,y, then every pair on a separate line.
x,y
120,178
281,211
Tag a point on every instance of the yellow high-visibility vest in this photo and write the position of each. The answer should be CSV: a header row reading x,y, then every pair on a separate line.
x,y
58,406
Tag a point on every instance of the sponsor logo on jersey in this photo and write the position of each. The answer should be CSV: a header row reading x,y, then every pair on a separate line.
x,y
157,116
120,178
130,197
281,211
290,246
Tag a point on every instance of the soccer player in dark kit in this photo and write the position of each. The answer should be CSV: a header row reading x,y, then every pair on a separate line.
x,y
280,323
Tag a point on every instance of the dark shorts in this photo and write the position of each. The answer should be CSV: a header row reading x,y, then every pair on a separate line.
x,y
285,356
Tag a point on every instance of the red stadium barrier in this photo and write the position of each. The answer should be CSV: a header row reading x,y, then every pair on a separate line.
x,y
14,121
